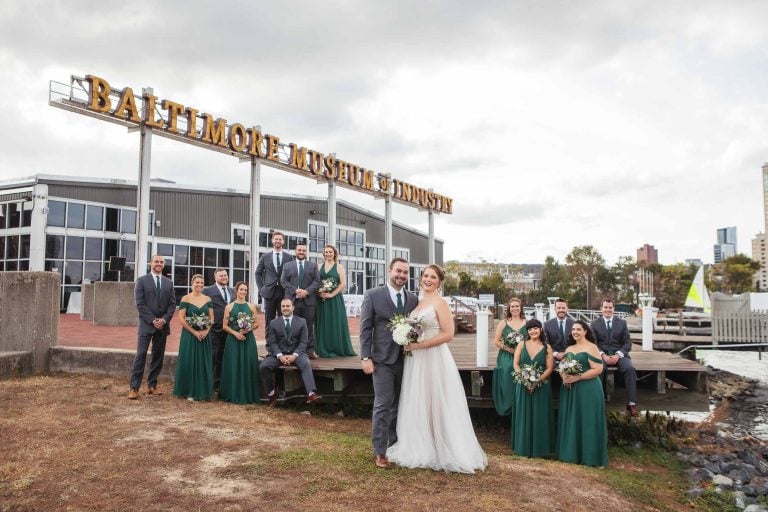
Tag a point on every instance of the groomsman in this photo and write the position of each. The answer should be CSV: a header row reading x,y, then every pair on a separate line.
x,y
156,304
221,294
558,329
268,273
287,346
614,343
301,280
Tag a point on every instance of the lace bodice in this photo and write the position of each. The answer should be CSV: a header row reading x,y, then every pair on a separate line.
x,y
429,323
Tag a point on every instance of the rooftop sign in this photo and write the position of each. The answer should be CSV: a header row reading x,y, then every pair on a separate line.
x,y
94,96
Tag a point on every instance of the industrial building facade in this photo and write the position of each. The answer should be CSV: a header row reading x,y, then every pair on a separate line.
x,y
75,225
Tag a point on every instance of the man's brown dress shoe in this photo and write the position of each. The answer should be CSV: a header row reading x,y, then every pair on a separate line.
x,y
154,391
272,399
133,394
382,461
313,397
632,411
311,354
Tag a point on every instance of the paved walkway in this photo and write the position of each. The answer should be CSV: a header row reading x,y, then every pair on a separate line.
x,y
74,332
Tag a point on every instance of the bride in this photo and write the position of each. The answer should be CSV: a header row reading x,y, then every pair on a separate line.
x,y
434,429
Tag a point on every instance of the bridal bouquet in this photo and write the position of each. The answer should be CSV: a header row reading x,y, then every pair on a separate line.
x,y
405,331
198,322
512,339
244,321
328,284
569,366
529,376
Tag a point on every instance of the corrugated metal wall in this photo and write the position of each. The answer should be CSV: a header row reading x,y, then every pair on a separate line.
x,y
120,195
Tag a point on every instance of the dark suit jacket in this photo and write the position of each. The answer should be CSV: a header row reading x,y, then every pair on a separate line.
x,y
619,336
375,337
277,343
310,281
150,306
267,278
552,333
214,292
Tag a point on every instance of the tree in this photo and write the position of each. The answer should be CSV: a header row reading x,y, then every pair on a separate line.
x,y
624,276
554,282
673,285
467,285
734,275
582,264
494,283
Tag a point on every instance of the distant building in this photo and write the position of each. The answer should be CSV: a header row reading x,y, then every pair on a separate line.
x,y
647,254
726,244
694,261
759,255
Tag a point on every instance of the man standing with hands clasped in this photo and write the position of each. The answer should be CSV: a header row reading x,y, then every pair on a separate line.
x,y
614,343
558,329
268,273
382,357
221,294
301,280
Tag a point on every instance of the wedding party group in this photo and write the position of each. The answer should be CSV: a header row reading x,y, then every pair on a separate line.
x,y
531,353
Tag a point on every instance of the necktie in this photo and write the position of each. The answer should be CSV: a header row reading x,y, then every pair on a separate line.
x,y
278,263
157,285
226,297
287,328
399,303
562,329
301,272
609,330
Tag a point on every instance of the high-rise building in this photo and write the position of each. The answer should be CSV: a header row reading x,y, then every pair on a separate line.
x,y
694,261
726,244
648,255
759,255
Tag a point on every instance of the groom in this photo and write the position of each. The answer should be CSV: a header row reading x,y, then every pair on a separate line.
x,y
381,356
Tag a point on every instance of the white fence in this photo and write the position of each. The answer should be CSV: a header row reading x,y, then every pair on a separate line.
x,y
741,327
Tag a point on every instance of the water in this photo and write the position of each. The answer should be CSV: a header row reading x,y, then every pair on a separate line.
x,y
752,414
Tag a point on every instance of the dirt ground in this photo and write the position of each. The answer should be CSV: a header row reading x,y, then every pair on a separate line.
x,y
74,442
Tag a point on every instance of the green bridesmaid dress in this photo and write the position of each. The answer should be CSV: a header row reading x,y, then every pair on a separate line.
x,y
504,385
240,366
331,327
533,420
194,366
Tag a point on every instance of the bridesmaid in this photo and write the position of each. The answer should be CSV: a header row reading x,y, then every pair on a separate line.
x,y
331,327
194,366
503,388
240,368
582,434
532,421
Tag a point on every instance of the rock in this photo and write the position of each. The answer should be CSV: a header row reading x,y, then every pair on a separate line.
x,y
750,490
340,414
698,474
749,457
755,508
762,467
698,461
306,413
727,467
714,457
722,481
741,499
714,467
695,493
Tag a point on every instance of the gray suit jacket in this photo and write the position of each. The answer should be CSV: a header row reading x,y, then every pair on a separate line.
x,y
277,343
310,281
214,292
619,336
375,337
552,333
267,277
150,306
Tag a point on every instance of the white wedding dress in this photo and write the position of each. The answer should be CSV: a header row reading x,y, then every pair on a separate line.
x,y
434,429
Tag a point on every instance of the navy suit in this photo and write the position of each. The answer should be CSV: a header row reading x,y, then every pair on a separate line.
x,y
217,335
617,341
152,305
279,343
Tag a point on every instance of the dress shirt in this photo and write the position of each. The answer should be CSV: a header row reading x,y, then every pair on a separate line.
x,y
607,319
290,319
393,294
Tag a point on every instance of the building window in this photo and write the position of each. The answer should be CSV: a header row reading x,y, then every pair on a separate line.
x,y
112,220
75,215
94,218
57,214
128,224
350,243
318,237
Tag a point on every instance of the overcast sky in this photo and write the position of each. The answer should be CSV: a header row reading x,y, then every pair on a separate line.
x,y
550,123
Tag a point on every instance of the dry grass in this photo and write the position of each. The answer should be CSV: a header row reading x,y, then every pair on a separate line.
x,y
76,443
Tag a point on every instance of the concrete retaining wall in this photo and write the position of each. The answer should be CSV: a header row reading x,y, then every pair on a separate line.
x,y
15,364
114,303
86,302
106,361
29,314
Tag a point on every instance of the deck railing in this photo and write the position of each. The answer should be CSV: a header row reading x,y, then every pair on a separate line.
x,y
740,327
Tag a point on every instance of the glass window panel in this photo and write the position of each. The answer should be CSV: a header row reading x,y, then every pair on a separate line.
x,y
11,266
208,276
14,215
24,249
181,256
75,215
165,249
112,220
128,273
75,247
111,248
73,272
223,258
54,266
180,276
359,238
26,213
92,271
194,271
239,236
180,293
54,246
23,265
210,257
239,259
57,213
128,250
313,245
264,240
94,218
108,275
128,224
313,230
2,266
196,256
3,215
93,248
2,247
12,247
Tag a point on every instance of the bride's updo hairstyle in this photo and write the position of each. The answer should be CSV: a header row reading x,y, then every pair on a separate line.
x,y
440,272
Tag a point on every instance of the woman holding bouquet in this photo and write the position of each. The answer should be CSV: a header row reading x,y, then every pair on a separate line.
x,y
331,327
194,366
240,368
582,435
532,421
509,333
434,429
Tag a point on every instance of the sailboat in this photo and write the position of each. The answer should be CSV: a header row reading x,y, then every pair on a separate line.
x,y
698,296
